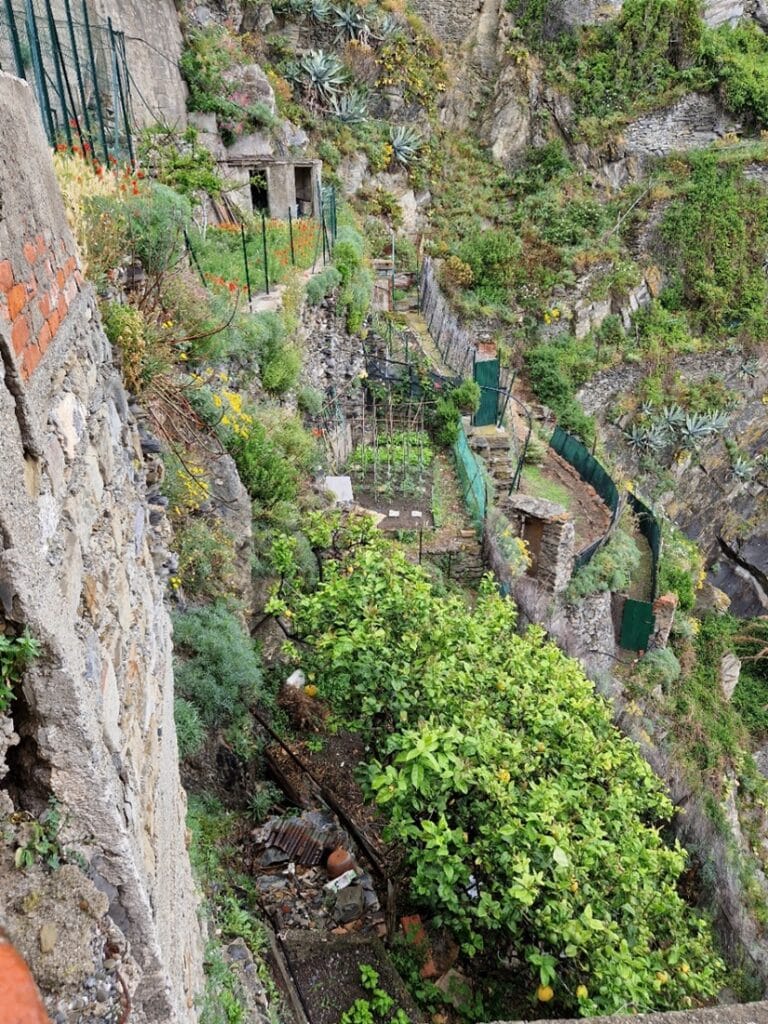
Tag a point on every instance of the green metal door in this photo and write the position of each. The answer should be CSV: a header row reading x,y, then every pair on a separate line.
x,y
637,625
487,376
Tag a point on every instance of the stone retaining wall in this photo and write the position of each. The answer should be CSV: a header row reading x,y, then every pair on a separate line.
x,y
80,558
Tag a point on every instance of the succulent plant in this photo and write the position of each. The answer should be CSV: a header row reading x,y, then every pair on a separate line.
x,y
320,11
350,107
646,438
742,468
387,27
352,23
406,143
322,75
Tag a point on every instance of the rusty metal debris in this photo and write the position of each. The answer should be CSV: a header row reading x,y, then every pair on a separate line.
x,y
304,844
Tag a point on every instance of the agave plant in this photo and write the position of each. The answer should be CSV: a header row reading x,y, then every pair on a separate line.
x,y
350,108
645,438
672,418
748,369
406,143
742,468
352,23
387,27
322,75
320,11
698,426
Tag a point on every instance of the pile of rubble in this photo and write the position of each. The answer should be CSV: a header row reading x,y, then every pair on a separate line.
x,y
309,877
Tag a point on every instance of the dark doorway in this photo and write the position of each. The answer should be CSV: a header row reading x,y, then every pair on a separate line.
x,y
259,191
532,534
303,178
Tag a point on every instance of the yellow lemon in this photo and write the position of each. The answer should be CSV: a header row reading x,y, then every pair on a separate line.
x,y
574,886
582,992
545,993
684,968
662,977
310,690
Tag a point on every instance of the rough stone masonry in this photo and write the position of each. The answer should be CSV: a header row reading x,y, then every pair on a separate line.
x,y
93,726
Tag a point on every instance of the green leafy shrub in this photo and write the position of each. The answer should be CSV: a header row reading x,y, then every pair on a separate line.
x,y
737,56
716,236
492,256
550,380
209,54
153,220
322,285
218,671
126,329
206,558
658,668
179,161
612,568
190,732
527,818
15,654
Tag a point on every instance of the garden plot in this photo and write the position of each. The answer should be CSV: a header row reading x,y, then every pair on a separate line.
x,y
392,473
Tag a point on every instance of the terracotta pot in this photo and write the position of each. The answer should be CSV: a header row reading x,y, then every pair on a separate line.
x,y
339,861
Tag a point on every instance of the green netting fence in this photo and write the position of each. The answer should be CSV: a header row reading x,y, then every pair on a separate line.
x,y
651,529
471,471
590,470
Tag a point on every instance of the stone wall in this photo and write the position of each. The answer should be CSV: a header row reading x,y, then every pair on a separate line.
x,y
79,558
692,122
153,46
452,21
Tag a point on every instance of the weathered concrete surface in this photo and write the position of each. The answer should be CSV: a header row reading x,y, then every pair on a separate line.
x,y
78,559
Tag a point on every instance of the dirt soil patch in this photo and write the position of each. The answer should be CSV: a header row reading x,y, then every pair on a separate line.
x,y
314,960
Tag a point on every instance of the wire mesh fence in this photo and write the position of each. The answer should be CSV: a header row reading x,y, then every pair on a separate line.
x,y
78,69
471,472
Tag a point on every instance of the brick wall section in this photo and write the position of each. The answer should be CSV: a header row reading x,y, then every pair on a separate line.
x,y
35,296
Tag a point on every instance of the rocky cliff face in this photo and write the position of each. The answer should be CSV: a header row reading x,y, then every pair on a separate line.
x,y
81,563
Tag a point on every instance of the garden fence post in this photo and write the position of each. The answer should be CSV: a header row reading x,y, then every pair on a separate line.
x,y
290,235
95,80
56,54
14,32
78,70
191,252
265,250
245,262
59,55
37,64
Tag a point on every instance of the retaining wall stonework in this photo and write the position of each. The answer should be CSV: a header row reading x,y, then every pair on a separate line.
x,y
79,559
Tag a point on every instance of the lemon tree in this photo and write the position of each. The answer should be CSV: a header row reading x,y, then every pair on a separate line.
x,y
529,821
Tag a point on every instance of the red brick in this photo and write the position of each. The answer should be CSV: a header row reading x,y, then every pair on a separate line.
x,y
60,279
19,334
53,322
44,337
32,357
61,307
6,276
44,305
31,286
70,265
30,253
17,300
